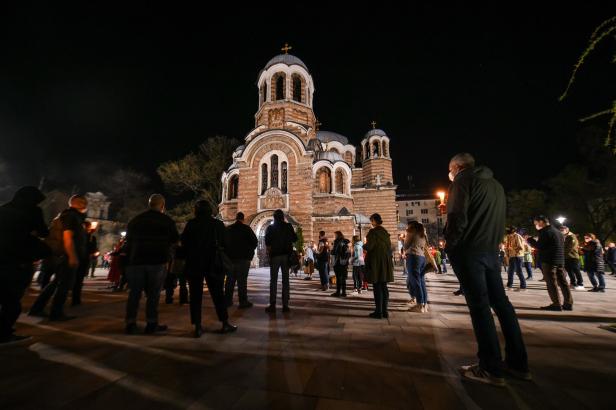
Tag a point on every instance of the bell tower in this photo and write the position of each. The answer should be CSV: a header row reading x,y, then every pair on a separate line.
x,y
376,158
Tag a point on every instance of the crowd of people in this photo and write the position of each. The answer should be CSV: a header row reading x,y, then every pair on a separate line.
x,y
154,255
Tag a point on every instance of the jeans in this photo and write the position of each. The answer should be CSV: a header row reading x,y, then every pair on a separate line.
x,y
555,278
280,262
14,280
515,264
342,273
239,274
323,268
148,278
444,268
591,275
416,279
480,276
358,276
529,269
572,266
381,297
58,288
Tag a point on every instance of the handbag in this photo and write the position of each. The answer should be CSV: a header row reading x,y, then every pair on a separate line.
x,y
430,262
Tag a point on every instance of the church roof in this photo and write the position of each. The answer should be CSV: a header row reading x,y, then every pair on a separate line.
x,y
329,136
287,59
331,156
375,131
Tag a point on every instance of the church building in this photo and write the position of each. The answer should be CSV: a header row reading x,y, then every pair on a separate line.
x,y
318,178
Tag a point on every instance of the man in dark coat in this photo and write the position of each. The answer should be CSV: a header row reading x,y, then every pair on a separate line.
x,y
475,228
21,224
241,243
279,239
550,244
203,236
68,242
149,239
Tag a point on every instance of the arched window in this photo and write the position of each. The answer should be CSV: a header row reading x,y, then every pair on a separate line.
x,y
375,149
233,186
283,177
324,181
334,150
297,88
263,178
367,151
340,177
264,92
385,149
280,86
274,162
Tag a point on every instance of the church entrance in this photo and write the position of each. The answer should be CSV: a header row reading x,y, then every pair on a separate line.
x,y
261,248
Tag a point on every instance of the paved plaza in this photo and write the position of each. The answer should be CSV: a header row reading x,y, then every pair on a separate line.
x,y
325,354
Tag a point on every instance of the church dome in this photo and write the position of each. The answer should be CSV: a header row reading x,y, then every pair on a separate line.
x,y
329,136
287,59
375,131
331,156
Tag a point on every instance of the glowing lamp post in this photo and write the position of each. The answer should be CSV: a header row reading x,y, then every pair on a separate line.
x,y
439,213
561,219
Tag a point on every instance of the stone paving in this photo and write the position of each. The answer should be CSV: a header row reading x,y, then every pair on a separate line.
x,y
325,354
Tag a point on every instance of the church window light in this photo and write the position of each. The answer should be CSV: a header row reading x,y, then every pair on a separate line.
x,y
340,177
283,177
324,181
263,178
274,162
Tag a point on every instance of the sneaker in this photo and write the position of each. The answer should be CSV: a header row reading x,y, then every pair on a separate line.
x,y
152,328
307,278
567,306
270,309
579,287
517,374
375,315
335,294
477,374
593,290
131,329
228,328
555,308
602,290
286,309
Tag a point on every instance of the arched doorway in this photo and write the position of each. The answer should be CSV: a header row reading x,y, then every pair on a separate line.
x,y
261,248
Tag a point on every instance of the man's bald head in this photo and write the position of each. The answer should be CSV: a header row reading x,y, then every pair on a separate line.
x,y
157,203
78,202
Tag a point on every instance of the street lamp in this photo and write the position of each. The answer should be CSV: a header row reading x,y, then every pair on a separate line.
x,y
561,219
439,212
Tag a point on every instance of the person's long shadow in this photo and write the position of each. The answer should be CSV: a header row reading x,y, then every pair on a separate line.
x,y
563,317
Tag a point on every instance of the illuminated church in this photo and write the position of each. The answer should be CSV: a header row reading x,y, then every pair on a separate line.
x,y
318,178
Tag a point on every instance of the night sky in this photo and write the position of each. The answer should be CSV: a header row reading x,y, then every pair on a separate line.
x,y
84,90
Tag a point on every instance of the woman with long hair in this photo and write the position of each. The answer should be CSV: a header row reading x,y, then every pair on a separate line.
x,y
358,264
415,245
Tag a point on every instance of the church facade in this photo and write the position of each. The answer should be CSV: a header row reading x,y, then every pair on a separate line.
x,y
318,178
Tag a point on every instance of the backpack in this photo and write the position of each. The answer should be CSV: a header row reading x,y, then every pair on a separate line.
x,y
55,239
343,254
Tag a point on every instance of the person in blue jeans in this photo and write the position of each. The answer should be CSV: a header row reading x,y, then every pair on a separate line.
x,y
475,227
415,247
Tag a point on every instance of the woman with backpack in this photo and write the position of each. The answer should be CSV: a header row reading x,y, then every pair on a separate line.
x,y
341,255
415,248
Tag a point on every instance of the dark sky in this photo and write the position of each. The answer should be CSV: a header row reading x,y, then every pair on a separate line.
x,y
82,89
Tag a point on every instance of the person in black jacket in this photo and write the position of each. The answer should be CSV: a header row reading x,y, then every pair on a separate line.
x,y
551,247
341,254
279,239
241,243
149,238
594,262
475,227
21,224
202,237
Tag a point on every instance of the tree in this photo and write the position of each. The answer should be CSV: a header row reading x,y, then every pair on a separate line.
x,y
198,173
128,191
605,30
523,205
